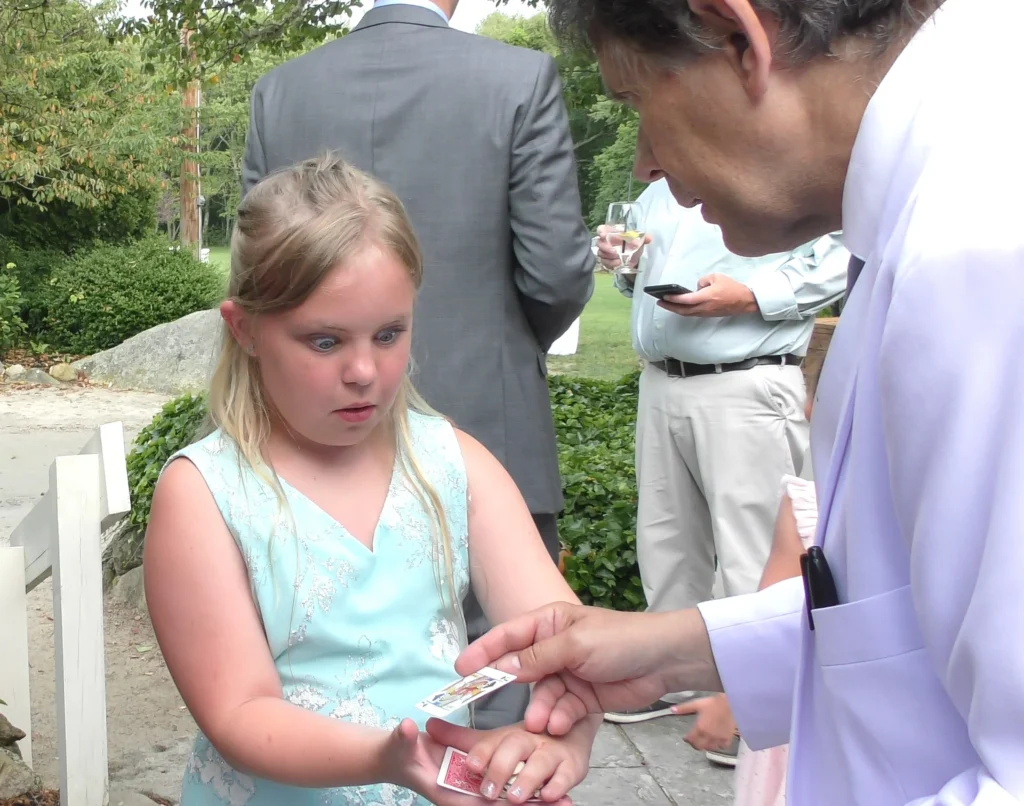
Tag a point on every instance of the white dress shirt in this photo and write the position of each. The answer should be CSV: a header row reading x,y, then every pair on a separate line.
x,y
911,691
790,288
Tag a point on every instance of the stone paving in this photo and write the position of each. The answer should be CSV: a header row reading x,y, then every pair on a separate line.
x,y
650,763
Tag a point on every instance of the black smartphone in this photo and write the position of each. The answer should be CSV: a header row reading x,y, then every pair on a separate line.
x,y
661,291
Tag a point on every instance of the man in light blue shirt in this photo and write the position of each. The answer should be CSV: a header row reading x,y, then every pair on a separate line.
x,y
721,410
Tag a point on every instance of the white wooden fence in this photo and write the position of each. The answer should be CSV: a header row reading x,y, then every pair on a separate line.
x,y
87,494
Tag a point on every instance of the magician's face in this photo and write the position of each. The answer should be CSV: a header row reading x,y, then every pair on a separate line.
x,y
751,161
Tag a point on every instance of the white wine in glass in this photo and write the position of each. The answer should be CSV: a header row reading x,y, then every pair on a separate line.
x,y
625,219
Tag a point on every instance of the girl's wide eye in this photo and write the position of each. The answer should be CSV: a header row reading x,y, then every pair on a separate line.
x,y
322,343
388,336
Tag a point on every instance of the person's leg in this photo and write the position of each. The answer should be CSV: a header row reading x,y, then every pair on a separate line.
x,y
507,705
755,433
674,537
675,547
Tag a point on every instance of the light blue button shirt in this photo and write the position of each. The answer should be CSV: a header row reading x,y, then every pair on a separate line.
x,y
420,3
790,288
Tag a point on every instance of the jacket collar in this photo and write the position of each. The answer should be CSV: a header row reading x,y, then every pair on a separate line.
x,y
400,13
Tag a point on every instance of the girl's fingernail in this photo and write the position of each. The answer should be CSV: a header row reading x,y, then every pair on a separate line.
x,y
515,663
475,763
488,790
517,791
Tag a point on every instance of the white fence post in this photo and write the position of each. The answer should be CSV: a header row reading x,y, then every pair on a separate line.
x,y
14,671
87,494
78,632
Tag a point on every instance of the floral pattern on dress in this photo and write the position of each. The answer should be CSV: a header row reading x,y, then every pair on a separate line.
x,y
206,765
445,641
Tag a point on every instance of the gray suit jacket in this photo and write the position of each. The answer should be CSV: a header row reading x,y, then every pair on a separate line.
x,y
473,136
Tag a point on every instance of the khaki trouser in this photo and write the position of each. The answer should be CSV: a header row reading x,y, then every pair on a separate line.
x,y
711,451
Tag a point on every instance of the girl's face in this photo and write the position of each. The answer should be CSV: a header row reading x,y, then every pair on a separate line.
x,y
332,367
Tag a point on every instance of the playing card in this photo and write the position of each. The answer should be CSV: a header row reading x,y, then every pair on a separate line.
x,y
456,775
462,692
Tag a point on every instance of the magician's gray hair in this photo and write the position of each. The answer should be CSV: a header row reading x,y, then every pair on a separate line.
x,y
670,32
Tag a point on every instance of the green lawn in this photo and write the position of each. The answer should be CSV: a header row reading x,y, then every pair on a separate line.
x,y
220,256
605,349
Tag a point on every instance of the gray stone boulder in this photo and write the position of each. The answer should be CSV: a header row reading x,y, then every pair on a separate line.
x,y
130,588
172,358
16,777
14,372
37,376
10,735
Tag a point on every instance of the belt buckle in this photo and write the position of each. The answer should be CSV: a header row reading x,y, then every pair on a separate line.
x,y
674,368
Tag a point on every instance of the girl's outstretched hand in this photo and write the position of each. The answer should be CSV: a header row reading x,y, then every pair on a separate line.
x,y
553,765
412,760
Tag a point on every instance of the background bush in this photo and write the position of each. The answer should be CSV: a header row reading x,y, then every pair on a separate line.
x,y
594,421
174,428
97,299
68,228
33,268
11,326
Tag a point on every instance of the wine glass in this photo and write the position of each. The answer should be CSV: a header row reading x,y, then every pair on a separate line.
x,y
625,219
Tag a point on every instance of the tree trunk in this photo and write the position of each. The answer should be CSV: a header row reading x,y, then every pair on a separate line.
x,y
190,171
190,167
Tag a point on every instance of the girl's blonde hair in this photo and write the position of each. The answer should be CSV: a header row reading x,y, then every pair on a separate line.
x,y
292,229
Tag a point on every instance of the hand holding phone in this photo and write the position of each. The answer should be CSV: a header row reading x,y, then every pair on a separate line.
x,y
662,291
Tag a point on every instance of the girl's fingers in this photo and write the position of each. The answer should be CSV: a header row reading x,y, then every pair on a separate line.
x,y
565,778
406,733
513,748
536,772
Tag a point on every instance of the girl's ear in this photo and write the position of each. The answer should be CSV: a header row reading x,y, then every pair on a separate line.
x,y
240,325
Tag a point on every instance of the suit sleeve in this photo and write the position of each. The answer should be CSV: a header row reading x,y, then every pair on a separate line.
x,y
952,390
554,264
254,163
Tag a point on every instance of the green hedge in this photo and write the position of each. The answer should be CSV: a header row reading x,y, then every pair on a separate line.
x,y
68,228
174,428
594,421
33,268
97,299
11,301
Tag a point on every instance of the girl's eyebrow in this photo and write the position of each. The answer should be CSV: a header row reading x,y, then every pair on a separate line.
x,y
335,328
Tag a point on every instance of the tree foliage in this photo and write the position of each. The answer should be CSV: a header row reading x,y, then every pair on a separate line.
x,y
603,131
223,32
76,110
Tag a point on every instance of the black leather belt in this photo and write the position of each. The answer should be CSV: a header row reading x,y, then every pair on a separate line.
x,y
684,369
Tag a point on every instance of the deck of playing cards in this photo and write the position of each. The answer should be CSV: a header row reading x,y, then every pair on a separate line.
x,y
456,775
462,692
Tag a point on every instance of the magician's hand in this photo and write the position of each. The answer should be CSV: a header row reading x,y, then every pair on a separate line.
x,y
716,295
592,660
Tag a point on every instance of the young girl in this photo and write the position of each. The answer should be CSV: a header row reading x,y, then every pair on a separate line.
x,y
306,561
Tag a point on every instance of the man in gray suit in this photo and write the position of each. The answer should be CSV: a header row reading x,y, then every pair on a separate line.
x,y
473,136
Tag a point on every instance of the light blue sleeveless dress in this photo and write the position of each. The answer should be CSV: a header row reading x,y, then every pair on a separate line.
x,y
357,635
